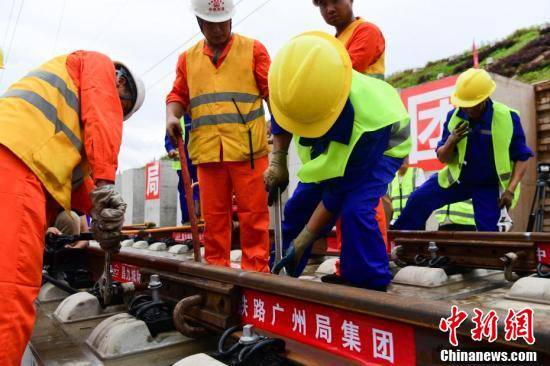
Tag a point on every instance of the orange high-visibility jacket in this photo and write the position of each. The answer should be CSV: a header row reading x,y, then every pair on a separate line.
x,y
63,120
366,47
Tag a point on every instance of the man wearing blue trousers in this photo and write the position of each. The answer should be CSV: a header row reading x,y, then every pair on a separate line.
x,y
351,142
176,165
483,146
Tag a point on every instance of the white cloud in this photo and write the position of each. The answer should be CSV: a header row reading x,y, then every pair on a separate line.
x,y
142,32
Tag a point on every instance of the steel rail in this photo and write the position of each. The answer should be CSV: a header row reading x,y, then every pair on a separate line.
x,y
410,310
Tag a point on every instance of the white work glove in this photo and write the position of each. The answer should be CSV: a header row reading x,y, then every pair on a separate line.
x,y
505,222
108,210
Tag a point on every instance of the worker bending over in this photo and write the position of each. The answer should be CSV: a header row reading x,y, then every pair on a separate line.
x,y
351,141
222,81
70,223
366,47
60,132
483,146
406,181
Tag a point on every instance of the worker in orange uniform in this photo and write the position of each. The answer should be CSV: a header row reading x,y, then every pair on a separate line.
x,y
222,81
366,46
60,133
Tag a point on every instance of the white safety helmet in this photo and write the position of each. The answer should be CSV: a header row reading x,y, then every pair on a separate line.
x,y
215,11
135,85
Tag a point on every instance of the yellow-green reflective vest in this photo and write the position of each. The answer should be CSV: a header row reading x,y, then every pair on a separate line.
x,y
176,165
400,192
502,129
377,105
460,213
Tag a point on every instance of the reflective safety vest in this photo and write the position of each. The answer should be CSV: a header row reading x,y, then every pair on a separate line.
x,y
400,192
502,129
176,164
460,213
376,105
40,124
378,68
217,125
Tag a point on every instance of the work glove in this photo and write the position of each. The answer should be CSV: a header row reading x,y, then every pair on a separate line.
x,y
276,176
108,210
294,253
506,200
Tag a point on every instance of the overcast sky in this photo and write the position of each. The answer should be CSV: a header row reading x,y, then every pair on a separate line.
x,y
148,35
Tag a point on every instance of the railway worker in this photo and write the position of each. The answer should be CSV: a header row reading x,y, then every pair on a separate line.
x,y
366,47
172,151
484,149
351,143
222,81
60,134
406,181
457,216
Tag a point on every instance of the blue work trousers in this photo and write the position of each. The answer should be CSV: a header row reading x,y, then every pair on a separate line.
x,y
430,196
181,191
364,261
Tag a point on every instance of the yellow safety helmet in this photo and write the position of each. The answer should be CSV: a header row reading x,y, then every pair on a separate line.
x,y
309,83
472,87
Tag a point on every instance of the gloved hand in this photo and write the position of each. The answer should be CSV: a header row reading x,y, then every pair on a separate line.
x,y
294,253
460,131
107,217
276,176
506,199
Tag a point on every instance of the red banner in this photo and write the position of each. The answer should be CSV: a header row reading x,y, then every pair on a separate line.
x,y
152,180
123,272
428,105
367,339
183,236
543,252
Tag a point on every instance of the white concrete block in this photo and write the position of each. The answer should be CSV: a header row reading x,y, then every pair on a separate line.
x,y
78,306
327,267
421,276
127,243
122,334
531,289
236,255
201,359
142,244
157,247
178,249
49,292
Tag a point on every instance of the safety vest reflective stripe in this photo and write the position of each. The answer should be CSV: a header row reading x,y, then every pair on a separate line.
x,y
48,110
60,85
218,119
77,178
399,135
455,213
400,198
223,97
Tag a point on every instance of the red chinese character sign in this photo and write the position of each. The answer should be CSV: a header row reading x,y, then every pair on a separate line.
x,y
152,181
428,105
360,337
123,272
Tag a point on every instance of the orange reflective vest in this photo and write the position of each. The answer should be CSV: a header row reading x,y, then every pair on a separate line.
x,y
214,95
40,123
377,69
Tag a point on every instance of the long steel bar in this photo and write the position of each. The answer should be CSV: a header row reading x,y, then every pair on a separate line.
x,y
414,311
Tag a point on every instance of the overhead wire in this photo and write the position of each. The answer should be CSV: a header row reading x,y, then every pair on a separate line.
x,y
236,24
176,49
8,49
59,24
3,44
109,22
